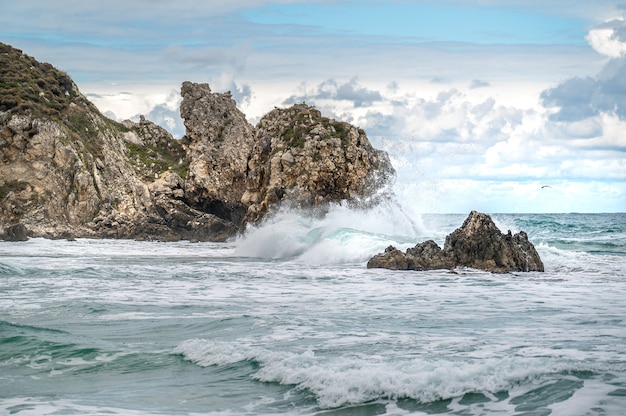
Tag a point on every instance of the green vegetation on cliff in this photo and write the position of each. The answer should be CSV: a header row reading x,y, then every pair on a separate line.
x,y
31,87
40,91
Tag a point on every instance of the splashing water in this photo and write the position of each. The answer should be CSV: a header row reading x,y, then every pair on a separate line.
x,y
343,235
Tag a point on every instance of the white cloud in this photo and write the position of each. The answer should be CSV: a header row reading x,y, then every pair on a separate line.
x,y
606,39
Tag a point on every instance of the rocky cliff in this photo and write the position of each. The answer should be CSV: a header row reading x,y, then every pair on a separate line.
x,y
68,171
305,160
218,141
477,244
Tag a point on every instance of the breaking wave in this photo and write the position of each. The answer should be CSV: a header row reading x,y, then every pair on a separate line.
x,y
338,381
342,235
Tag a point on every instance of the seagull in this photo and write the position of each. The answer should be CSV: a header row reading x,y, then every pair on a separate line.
x,y
546,186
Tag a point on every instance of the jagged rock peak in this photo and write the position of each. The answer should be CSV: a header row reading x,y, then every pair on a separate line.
x,y
477,244
218,140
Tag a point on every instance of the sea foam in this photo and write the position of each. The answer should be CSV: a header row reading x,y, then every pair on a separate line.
x,y
345,380
342,235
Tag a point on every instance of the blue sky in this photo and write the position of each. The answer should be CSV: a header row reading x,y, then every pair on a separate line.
x,y
479,102
423,21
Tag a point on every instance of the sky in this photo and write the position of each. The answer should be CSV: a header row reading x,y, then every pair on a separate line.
x,y
498,106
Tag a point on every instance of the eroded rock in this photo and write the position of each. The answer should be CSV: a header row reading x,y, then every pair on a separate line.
x,y
218,141
303,159
477,244
15,232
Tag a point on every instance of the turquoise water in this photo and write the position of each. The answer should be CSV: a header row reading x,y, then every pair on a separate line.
x,y
288,320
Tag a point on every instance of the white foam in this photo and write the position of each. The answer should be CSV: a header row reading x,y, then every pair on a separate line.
x,y
346,380
342,235
207,353
574,262
45,406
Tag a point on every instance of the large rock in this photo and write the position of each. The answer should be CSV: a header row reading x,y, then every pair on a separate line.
x,y
16,232
294,156
305,160
66,170
218,140
477,244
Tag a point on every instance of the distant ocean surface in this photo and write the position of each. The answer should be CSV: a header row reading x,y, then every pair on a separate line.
x,y
288,320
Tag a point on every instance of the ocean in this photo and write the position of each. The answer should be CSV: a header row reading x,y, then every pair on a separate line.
x,y
287,319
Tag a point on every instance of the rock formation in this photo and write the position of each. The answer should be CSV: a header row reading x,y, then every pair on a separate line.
x,y
477,244
67,171
305,160
218,141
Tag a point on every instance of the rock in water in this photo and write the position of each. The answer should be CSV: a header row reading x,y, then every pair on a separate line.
x,y
218,140
477,244
16,232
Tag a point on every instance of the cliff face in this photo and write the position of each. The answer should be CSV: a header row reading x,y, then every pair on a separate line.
x,y
68,171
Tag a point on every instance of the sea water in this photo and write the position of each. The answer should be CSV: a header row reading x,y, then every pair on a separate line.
x,y
287,319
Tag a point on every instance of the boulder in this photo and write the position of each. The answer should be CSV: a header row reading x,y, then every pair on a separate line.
x,y
392,259
15,232
477,244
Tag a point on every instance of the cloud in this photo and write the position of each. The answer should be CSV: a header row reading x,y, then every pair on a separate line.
x,y
439,80
449,116
330,89
242,95
609,38
479,84
578,98
207,57
167,118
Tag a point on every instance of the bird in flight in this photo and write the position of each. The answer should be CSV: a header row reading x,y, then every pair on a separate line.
x,y
546,186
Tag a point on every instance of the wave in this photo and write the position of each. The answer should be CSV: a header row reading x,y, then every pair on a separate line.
x,y
10,270
349,380
343,234
26,406
36,350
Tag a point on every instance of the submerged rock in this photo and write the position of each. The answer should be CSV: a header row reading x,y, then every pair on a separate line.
x,y
477,244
